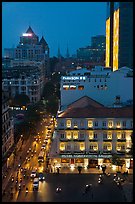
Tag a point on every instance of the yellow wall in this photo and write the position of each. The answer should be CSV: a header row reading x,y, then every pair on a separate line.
x,y
107,42
115,39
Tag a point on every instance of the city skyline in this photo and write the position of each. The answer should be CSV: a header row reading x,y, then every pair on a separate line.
x,y
67,31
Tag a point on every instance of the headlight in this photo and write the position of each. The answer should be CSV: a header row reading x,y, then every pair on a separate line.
x,y
43,177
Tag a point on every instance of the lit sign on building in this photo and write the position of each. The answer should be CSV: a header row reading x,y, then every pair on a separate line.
x,y
27,34
73,78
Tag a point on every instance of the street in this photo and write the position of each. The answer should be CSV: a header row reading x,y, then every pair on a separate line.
x,y
73,186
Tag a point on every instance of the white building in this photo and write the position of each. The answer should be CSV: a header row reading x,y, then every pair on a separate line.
x,y
100,84
88,133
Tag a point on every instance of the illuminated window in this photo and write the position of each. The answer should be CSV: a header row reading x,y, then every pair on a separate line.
x,y
118,135
123,135
65,87
110,124
80,87
109,135
107,147
94,146
118,147
72,87
68,135
90,123
62,146
118,124
82,146
75,135
91,135
68,123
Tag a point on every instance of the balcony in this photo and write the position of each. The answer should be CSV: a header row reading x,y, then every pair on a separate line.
x,y
121,140
93,152
93,139
121,152
107,151
63,139
65,152
107,139
79,152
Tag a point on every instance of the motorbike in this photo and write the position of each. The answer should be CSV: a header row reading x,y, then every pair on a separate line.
x,y
99,180
58,189
26,190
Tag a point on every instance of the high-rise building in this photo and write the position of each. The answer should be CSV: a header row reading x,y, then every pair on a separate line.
x,y
94,53
119,35
30,48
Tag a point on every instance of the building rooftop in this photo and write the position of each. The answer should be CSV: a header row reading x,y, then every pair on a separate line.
x,y
84,108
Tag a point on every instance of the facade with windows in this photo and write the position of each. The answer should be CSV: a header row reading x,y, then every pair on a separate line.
x,y
100,84
91,133
119,35
24,79
7,126
30,48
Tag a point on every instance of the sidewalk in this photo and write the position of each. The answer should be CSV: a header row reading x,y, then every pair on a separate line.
x,y
91,170
11,170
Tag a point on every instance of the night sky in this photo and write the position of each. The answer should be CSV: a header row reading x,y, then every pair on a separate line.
x,y
61,23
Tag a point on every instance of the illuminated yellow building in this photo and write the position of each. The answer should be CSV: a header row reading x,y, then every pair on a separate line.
x,y
119,35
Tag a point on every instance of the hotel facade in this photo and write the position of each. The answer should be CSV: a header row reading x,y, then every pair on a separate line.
x,y
88,134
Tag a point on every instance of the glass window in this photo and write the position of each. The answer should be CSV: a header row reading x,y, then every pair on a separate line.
x,y
75,135
90,123
104,123
124,123
68,135
96,123
80,87
68,123
62,135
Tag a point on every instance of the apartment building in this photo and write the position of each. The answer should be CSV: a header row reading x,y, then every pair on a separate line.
x,y
7,126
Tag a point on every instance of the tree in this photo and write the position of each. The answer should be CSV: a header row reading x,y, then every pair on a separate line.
x,y
52,105
21,100
117,161
49,89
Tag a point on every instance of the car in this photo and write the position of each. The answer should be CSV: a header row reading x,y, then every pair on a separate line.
x,y
43,146
35,183
33,174
41,176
